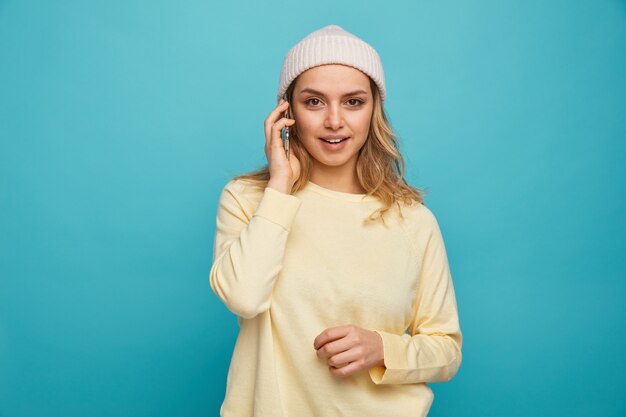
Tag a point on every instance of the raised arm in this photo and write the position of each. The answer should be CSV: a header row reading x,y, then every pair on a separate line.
x,y
431,352
248,251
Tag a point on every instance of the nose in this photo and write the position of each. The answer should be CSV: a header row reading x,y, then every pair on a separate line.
x,y
334,117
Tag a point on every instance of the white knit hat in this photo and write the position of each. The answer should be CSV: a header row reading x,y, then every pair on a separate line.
x,y
331,45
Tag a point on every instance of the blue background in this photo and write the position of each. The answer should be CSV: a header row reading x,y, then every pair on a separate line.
x,y
120,121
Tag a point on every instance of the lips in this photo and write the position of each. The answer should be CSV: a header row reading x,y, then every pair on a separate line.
x,y
328,139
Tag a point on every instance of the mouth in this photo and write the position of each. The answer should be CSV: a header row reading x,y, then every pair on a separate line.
x,y
336,140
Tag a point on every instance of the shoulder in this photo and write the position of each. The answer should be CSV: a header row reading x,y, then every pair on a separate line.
x,y
245,188
420,224
417,216
244,193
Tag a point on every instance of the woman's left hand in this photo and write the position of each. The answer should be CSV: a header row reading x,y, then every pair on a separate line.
x,y
348,349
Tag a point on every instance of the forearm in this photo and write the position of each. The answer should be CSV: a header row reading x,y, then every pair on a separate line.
x,y
418,358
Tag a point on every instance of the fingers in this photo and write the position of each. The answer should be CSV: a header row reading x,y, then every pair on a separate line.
x,y
332,348
344,358
348,349
346,370
276,140
274,117
332,333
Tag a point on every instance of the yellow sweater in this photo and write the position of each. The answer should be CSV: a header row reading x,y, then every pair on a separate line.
x,y
290,266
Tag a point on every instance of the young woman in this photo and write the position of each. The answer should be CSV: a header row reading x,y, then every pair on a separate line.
x,y
336,269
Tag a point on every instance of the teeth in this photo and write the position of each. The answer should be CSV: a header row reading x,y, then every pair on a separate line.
x,y
334,140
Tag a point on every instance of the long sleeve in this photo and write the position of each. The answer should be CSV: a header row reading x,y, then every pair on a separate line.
x,y
431,352
248,250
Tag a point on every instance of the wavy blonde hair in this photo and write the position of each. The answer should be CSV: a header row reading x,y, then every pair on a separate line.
x,y
379,168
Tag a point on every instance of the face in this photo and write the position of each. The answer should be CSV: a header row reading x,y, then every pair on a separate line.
x,y
333,101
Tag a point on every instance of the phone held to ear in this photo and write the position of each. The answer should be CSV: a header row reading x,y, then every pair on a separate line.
x,y
285,131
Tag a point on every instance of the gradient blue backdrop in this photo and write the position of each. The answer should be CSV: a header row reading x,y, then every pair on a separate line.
x,y
120,121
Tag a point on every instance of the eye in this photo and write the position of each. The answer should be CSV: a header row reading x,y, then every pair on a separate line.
x,y
354,101
358,102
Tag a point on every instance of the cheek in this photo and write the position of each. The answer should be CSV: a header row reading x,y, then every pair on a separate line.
x,y
361,122
306,126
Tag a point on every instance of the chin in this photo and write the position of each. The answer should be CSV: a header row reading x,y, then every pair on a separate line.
x,y
331,162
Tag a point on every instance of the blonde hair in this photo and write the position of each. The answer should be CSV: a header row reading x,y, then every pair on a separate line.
x,y
379,168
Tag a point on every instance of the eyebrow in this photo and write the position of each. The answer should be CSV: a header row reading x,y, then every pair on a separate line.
x,y
319,93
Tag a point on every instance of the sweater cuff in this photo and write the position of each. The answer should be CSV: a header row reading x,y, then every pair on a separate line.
x,y
278,207
395,357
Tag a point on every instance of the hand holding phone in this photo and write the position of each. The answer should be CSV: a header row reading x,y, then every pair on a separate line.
x,y
284,170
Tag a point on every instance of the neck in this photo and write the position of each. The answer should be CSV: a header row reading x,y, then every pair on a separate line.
x,y
342,178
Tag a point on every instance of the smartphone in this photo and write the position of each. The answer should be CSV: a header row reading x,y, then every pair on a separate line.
x,y
285,131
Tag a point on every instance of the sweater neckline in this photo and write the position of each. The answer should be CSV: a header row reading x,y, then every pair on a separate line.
x,y
337,194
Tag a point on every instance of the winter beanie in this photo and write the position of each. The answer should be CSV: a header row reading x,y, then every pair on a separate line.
x,y
331,45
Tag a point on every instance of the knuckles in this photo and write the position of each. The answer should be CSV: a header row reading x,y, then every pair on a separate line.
x,y
324,352
340,371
